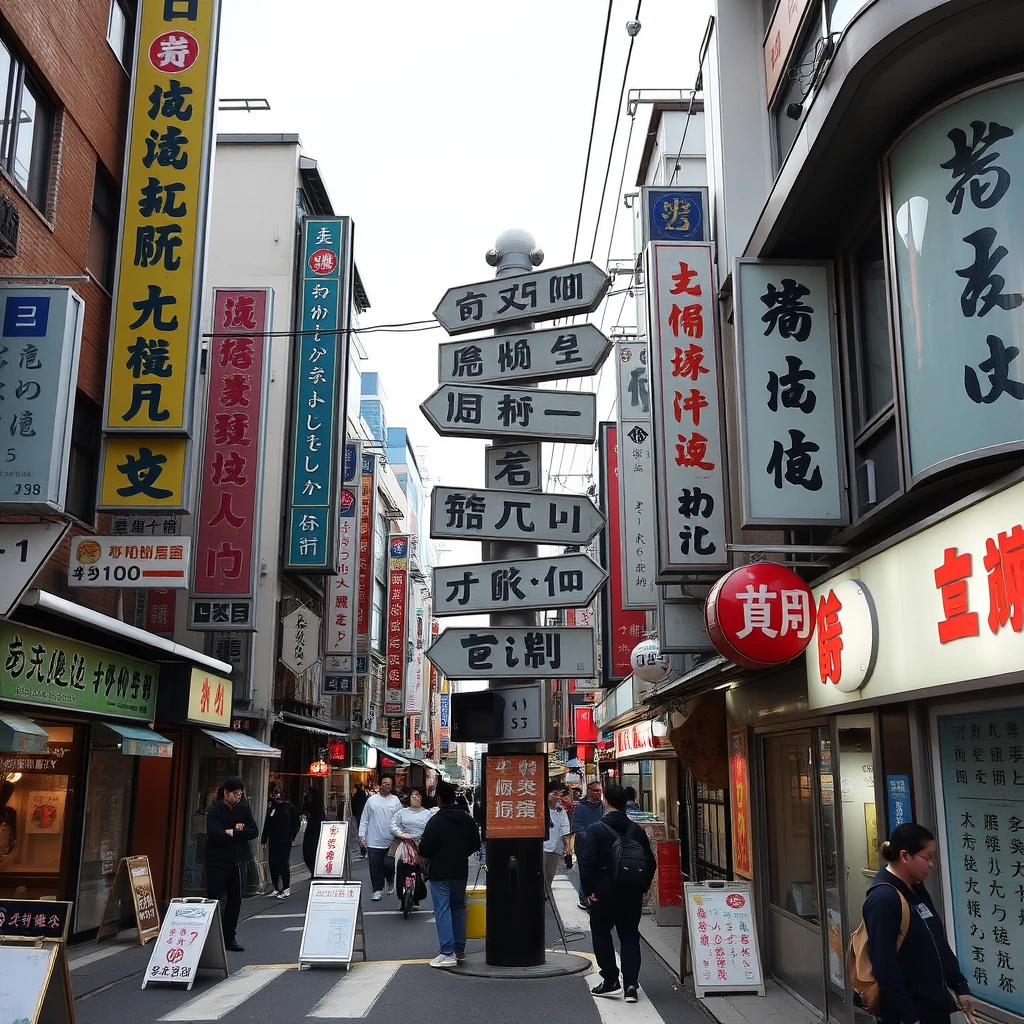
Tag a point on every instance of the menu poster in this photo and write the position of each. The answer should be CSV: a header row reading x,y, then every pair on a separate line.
x,y
331,850
132,889
35,985
723,938
190,939
981,757
332,916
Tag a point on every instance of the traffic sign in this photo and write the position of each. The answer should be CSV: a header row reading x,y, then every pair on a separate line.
x,y
24,549
467,514
514,466
551,354
460,410
559,581
541,295
506,652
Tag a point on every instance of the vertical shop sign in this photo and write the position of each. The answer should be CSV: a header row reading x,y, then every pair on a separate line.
x,y
300,640
367,500
675,214
445,715
398,597
414,692
624,629
160,612
231,468
321,365
155,318
343,589
739,800
789,394
686,405
897,789
515,796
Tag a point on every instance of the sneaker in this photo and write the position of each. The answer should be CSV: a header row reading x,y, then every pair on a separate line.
x,y
378,895
443,960
273,892
390,887
632,995
606,988
284,894
583,905
460,958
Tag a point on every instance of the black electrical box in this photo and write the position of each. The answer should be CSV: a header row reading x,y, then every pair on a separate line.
x,y
477,717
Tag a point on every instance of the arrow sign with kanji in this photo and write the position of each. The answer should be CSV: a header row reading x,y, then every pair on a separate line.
x,y
560,581
552,354
511,652
460,410
467,514
541,295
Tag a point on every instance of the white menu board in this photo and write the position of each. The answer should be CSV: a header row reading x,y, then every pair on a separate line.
x,y
723,938
24,976
190,937
328,932
332,850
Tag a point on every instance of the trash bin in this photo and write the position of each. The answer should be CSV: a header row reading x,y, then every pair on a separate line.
x,y
476,912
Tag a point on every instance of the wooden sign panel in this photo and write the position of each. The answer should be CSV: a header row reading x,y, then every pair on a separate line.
x,y
35,984
131,883
723,938
515,796
190,939
333,916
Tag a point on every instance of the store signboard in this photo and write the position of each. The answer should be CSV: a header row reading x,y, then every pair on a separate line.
x,y
331,850
515,796
300,640
190,939
136,562
342,594
637,740
332,918
779,41
739,802
209,699
724,949
398,603
367,510
675,214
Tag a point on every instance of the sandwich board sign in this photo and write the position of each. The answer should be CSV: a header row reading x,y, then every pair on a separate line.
x,y
35,984
133,883
332,850
191,939
723,938
333,916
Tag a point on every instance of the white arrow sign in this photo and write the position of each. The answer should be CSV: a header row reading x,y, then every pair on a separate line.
x,y
533,355
561,581
542,295
456,410
506,652
24,549
467,514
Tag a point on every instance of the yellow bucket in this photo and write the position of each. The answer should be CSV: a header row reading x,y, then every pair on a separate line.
x,y
476,912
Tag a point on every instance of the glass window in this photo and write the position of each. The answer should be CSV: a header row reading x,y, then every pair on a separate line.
x,y
103,231
380,548
872,349
28,129
83,463
841,12
796,82
712,826
377,618
121,30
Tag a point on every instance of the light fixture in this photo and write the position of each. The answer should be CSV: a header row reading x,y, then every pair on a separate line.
x,y
13,777
659,728
319,768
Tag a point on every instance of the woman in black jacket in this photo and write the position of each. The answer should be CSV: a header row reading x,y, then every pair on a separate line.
x,y
229,828
313,809
280,827
914,981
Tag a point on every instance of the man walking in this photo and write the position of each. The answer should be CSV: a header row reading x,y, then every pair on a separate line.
x,y
448,841
229,828
375,836
359,799
587,812
617,867
557,829
280,828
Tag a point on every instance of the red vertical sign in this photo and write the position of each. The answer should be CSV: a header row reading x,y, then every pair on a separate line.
x,y
365,605
398,591
160,612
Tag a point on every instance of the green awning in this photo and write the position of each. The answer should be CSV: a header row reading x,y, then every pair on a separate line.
x,y
241,744
136,741
19,735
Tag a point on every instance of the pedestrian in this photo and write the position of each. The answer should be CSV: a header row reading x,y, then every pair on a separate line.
x,y
408,824
586,813
567,805
313,810
914,976
558,828
448,841
631,805
229,828
375,836
461,800
280,827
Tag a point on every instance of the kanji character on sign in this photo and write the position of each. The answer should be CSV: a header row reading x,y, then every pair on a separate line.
x,y
681,281
830,639
1004,563
951,579
689,363
689,319
691,451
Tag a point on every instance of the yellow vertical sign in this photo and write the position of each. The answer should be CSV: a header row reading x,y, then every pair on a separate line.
x,y
155,323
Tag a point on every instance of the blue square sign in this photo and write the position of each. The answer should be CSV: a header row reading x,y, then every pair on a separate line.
x,y
26,316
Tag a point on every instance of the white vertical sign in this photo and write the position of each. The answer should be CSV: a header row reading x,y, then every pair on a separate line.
x,y
342,591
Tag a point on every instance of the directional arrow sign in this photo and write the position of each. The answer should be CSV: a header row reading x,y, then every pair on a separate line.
x,y
562,581
533,355
24,549
458,410
542,295
510,652
467,514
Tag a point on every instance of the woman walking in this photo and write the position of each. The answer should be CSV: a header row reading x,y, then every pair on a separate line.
x,y
280,827
408,824
313,809
914,976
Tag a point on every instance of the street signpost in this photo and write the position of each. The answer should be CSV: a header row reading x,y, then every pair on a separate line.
x,y
514,466
559,652
467,514
553,354
540,295
24,549
466,410
559,581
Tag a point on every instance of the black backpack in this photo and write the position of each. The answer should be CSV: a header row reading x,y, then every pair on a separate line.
x,y
628,859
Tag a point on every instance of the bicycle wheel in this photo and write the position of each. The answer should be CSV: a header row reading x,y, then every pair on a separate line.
x,y
407,900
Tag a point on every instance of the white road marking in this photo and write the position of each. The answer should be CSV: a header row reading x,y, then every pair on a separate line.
x,y
294,928
226,995
99,954
356,993
615,1009
567,900
274,917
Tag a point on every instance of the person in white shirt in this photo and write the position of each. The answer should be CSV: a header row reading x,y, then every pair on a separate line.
x,y
409,823
375,836
558,828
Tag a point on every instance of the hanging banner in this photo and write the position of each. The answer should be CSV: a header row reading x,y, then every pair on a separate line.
x,y
367,503
623,629
414,690
343,589
321,366
398,599
231,468
687,410
300,640
789,402
155,319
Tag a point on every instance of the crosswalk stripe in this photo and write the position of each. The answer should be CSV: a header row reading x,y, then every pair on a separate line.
x,y
615,1010
293,928
356,993
225,996
274,917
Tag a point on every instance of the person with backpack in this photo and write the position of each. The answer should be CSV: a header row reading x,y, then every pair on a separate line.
x,y
900,964
617,867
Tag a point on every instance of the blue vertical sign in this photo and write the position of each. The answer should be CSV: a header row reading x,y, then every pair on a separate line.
x,y
675,214
897,788
318,412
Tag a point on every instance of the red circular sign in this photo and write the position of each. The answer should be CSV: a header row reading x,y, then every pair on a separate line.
x,y
323,261
176,954
760,615
348,499
735,900
174,52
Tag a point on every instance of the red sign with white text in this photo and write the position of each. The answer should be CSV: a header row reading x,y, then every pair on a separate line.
x,y
398,601
160,612
365,602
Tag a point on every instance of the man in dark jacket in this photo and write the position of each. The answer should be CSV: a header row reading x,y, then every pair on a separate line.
x,y
448,841
586,813
229,828
279,831
359,799
613,904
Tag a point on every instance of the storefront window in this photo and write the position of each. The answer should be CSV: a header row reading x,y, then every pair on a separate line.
x,y
712,819
638,775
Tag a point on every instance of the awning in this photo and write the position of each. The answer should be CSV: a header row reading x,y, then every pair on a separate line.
x,y
136,741
392,755
318,730
241,744
433,765
19,735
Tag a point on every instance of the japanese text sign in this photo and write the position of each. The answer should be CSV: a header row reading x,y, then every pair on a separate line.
x,y
342,591
511,651
34,919
638,739
331,850
739,803
300,640
516,467
515,796
675,214
157,293
414,683
367,499
321,366
846,637
209,699
40,339
788,392
233,444
779,40
397,611
129,561
53,671
181,947
724,946
686,408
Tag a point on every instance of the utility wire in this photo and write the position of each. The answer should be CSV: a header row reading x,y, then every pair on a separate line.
x,y
408,327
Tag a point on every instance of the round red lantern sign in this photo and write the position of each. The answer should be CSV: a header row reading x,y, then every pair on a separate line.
x,y
760,615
